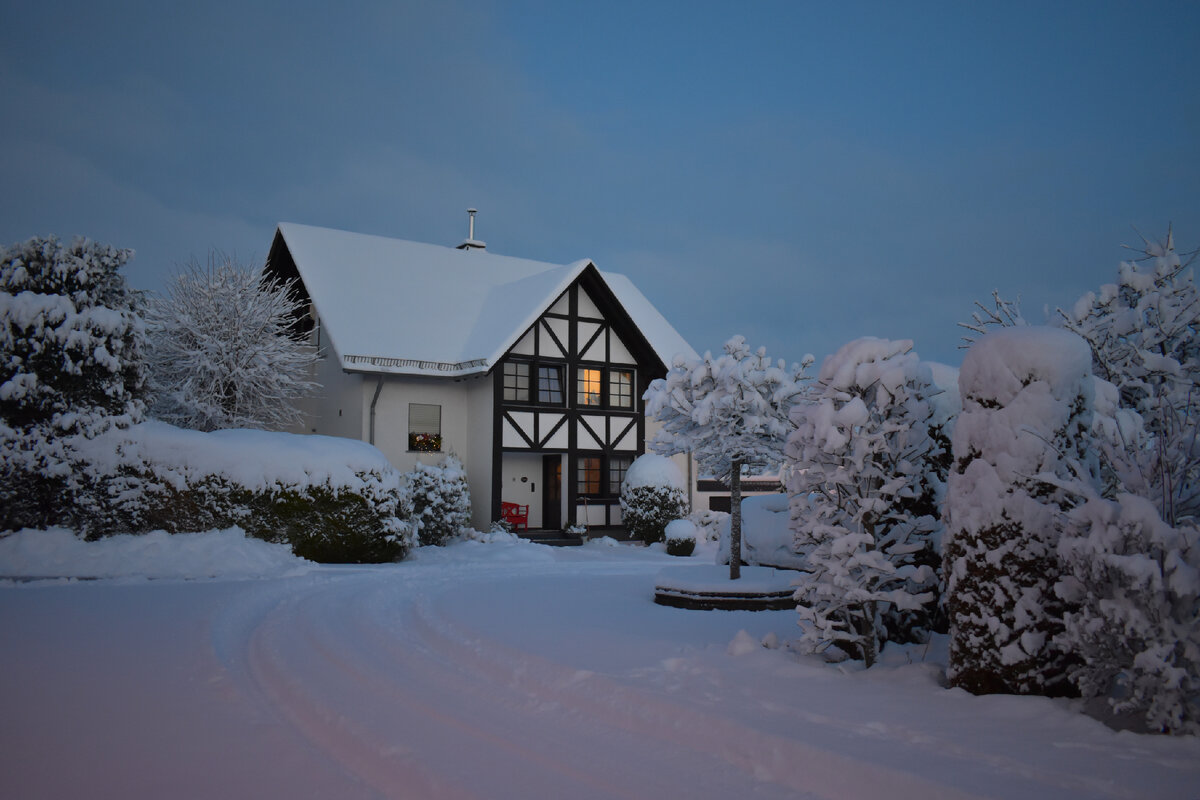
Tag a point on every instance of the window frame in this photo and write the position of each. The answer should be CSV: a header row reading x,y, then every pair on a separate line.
x,y
581,393
632,404
418,445
516,383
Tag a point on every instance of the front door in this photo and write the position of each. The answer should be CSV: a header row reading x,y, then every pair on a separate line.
x,y
552,492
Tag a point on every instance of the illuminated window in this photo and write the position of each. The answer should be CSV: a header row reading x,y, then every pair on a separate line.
x,y
424,427
550,388
516,381
620,388
588,388
588,479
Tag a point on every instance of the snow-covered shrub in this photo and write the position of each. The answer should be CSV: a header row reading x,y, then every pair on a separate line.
x,y
1020,462
867,479
331,499
680,535
767,538
653,493
1144,332
1134,584
708,523
221,351
70,366
729,412
441,500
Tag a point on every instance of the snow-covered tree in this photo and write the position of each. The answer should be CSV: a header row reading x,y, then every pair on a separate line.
x,y
730,413
441,499
1021,461
866,482
1144,332
653,494
1133,582
220,350
70,365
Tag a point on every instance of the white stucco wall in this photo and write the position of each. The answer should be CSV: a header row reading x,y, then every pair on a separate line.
x,y
530,490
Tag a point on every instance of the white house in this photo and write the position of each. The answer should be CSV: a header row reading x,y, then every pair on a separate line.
x,y
532,373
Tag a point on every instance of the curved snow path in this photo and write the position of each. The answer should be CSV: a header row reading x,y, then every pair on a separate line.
x,y
501,672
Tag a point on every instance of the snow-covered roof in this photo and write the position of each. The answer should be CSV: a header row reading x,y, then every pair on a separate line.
x,y
395,306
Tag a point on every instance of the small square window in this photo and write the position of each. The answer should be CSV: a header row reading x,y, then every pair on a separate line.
x,y
620,388
425,427
588,387
516,381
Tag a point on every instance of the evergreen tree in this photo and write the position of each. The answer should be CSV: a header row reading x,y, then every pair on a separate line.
x,y
866,485
441,500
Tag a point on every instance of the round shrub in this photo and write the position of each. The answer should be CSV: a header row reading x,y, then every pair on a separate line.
x,y
441,501
681,537
653,494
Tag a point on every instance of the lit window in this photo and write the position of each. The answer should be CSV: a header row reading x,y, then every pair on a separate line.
x,y
617,467
589,475
620,388
550,389
516,381
424,427
588,391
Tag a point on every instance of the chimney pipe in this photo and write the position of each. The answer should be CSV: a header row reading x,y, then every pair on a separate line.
x,y
471,230
470,243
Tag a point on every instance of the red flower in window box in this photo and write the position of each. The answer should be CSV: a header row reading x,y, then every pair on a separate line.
x,y
425,442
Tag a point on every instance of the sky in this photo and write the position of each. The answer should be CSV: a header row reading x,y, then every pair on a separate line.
x,y
799,173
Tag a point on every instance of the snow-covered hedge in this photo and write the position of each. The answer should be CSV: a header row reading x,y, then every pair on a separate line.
x,y
653,494
767,537
1020,446
332,499
441,501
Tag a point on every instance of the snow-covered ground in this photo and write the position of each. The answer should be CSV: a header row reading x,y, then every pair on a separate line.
x,y
499,671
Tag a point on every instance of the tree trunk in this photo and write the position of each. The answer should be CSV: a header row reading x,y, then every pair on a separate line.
x,y
735,521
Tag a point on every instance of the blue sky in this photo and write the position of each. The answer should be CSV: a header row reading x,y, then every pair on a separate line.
x,y
799,173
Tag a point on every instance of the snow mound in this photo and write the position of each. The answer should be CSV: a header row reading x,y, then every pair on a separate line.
x,y
1000,364
681,530
229,553
767,536
654,470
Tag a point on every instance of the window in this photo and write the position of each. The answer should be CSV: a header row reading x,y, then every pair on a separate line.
x,y
617,467
588,388
424,427
620,388
550,388
589,475
516,381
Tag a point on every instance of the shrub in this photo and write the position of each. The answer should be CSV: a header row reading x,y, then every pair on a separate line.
x,y
441,500
681,537
653,494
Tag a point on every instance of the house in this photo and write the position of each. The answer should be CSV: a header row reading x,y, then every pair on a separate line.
x,y
532,373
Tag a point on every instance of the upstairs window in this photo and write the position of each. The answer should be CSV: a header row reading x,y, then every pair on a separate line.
x,y
516,381
550,386
587,392
620,388
424,427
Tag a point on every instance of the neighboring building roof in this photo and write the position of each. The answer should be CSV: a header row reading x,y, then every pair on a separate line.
x,y
395,306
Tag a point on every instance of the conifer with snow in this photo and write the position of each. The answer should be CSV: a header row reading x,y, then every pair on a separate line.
x,y
730,413
1021,462
866,482
221,352
70,365
441,499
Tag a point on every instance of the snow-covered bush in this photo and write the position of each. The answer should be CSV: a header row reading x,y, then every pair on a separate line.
x,y
708,523
441,500
653,493
221,352
1134,584
331,499
729,412
70,366
767,538
680,535
866,482
1020,462
1144,332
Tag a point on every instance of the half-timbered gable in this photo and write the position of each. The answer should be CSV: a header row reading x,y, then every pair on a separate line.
x,y
532,373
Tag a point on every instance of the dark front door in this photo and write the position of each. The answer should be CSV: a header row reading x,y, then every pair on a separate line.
x,y
552,492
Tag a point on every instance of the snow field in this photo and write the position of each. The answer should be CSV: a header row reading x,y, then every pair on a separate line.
x,y
505,670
